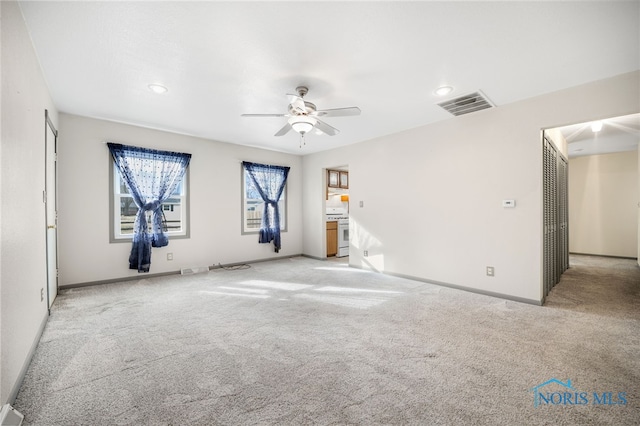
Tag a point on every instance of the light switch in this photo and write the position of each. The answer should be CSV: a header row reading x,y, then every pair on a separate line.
x,y
508,203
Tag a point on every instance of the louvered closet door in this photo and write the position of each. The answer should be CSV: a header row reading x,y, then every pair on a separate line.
x,y
550,214
555,206
563,213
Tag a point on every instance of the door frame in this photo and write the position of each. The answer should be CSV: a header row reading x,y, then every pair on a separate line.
x,y
51,224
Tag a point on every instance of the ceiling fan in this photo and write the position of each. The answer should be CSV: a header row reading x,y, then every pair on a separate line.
x,y
304,116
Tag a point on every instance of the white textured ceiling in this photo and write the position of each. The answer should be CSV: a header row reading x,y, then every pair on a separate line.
x,y
222,59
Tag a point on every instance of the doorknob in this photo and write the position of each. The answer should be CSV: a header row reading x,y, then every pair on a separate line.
x,y
51,227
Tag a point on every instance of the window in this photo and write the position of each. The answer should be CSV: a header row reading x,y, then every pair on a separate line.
x,y
253,206
123,210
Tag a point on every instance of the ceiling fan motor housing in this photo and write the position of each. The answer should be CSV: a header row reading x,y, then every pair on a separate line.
x,y
309,107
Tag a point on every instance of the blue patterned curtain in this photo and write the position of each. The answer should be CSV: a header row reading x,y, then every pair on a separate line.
x,y
269,181
151,177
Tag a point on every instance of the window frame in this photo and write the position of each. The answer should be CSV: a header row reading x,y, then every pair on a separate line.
x,y
114,209
284,208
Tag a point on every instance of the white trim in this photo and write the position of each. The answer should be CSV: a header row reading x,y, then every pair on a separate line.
x,y
25,366
10,416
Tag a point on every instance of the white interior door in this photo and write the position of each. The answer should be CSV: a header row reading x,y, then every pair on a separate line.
x,y
51,209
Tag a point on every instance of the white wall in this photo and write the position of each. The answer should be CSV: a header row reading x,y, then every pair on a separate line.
x,y
22,246
433,195
603,204
85,254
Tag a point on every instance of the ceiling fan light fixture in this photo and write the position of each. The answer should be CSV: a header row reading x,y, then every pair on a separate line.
x,y
443,90
158,88
302,123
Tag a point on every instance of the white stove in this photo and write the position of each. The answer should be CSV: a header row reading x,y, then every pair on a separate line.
x,y
342,217
336,213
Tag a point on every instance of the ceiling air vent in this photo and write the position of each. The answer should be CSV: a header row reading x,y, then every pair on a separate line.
x,y
467,103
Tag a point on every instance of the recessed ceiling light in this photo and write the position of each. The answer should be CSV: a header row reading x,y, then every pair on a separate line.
x,y
443,90
596,126
157,88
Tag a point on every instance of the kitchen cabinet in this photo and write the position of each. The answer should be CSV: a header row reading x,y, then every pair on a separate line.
x,y
344,180
333,178
338,179
332,238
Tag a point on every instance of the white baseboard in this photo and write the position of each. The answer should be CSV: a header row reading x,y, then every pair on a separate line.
x,y
10,417
25,366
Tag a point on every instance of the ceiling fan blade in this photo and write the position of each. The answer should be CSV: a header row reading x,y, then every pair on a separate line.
x,y
325,128
338,112
297,103
284,130
263,115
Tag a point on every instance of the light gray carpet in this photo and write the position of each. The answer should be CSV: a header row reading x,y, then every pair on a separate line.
x,y
302,341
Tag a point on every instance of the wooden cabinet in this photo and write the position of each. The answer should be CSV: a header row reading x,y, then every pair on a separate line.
x,y
332,238
344,180
338,179
333,178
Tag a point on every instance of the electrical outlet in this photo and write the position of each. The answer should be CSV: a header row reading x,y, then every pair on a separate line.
x,y
490,271
366,253
361,203
42,294
169,256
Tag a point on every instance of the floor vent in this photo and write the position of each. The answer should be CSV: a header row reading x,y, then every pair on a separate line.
x,y
466,104
195,270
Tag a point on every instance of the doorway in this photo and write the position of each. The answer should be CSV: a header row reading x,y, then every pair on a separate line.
x,y
337,211
51,207
603,186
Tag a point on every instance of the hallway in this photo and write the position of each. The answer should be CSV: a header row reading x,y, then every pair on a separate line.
x,y
599,285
